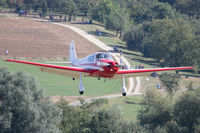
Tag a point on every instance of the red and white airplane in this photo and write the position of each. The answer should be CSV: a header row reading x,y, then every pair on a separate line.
x,y
99,65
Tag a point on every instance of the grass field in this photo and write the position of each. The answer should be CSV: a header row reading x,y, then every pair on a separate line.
x,y
129,105
64,86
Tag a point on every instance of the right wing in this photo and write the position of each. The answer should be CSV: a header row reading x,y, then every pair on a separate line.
x,y
145,72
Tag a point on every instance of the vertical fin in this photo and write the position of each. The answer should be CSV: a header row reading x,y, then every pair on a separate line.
x,y
72,52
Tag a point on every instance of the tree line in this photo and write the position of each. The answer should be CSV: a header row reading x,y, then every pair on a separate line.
x,y
24,108
166,30
67,7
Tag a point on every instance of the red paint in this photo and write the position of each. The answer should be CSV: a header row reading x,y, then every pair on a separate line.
x,y
152,70
51,66
108,72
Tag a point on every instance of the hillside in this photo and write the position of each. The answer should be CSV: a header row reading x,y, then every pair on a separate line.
x,y
24,37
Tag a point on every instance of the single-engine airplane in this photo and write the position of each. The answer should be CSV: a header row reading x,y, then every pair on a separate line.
x,y
99,65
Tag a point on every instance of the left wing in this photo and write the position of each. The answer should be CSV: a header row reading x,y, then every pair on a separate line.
x,y
146,72
73,72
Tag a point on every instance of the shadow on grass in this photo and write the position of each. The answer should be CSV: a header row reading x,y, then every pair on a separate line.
x,y
88,23
132,54
104,34
122,47
192,74
133,102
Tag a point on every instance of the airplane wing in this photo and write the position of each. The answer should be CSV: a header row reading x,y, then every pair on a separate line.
x,y
73,72
146,72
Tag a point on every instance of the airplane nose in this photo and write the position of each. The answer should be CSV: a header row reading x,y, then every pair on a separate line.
x,y
114,64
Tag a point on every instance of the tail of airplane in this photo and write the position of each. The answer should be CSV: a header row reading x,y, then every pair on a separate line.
x,y
72,52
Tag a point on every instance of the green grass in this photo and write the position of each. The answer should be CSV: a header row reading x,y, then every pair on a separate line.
x,y
129,105
65,86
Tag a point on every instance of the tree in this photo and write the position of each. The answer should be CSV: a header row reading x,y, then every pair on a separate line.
x,y
134,36
163,10
172,127
117,20
17,4
44,7
23,107
148,10
170,82
168,1
52,4
190,7
103,10
106,121
2,2
171,40
131,127
75,119
187,110
197,127
159,129
156,110
36,4
84,6
70,8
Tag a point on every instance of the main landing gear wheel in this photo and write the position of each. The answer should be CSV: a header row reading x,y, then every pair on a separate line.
x,y
124,89
81,92
124,94
81,87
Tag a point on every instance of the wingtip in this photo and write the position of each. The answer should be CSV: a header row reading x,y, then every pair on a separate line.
x,y
8,60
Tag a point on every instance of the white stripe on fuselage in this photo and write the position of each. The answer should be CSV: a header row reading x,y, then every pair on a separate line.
x,y
85,63
91,67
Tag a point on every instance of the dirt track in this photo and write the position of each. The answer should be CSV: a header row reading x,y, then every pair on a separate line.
x,y
24,37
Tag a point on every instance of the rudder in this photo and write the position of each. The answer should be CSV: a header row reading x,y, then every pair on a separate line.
x,y
72,52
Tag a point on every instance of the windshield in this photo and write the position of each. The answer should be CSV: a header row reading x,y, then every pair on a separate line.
x,y
103,56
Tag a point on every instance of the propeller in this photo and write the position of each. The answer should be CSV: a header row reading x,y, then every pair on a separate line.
x,y
120,65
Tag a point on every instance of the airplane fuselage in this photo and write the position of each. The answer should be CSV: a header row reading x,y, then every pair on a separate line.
x,y
101,67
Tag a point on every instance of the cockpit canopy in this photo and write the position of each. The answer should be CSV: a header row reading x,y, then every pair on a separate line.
x,y
98,56
103,56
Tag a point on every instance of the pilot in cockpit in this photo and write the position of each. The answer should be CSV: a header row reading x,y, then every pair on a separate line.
x,y
103,56
98,56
